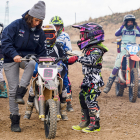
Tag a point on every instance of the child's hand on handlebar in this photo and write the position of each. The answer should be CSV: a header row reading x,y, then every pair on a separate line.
x,y
17,59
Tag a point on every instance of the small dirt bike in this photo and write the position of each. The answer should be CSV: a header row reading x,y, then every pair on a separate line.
x,y
47,85
128,73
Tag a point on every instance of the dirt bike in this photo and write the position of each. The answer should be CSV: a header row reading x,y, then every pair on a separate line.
x,y
47,85
128,73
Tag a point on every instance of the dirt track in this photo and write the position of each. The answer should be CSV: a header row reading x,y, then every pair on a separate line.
x,y
119,118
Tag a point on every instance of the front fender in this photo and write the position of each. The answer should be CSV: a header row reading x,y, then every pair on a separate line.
x,y
134,58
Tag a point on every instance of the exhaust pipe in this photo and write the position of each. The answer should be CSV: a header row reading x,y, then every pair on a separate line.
x,y
120,74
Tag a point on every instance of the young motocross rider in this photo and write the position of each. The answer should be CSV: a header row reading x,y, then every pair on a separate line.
x,y
92,35
63,38
54,50
128,34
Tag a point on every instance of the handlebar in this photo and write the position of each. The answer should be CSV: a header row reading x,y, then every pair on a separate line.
x,y
33,57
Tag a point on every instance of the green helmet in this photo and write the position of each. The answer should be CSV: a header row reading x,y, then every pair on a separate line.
x,y
56,20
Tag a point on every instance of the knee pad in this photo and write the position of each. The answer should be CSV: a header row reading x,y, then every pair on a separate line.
x,y
94,112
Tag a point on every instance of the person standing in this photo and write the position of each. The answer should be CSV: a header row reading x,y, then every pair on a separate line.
x,y
22,37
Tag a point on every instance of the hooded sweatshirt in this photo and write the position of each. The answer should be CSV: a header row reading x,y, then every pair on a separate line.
x,y
19,39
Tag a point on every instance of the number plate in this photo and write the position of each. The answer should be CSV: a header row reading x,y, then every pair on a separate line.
x,y
48,73
133,49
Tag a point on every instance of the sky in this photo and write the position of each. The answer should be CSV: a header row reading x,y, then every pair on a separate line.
x,y
70,11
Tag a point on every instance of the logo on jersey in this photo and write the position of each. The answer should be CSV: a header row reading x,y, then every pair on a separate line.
x,y
129,33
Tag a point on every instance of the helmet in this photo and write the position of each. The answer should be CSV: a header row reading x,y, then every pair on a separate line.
x,y
50,33
90,34
127,18
56,20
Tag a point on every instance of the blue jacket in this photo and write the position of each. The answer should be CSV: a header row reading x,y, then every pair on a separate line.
x,y
18,39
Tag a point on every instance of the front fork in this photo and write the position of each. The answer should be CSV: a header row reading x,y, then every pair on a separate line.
x,y
41,100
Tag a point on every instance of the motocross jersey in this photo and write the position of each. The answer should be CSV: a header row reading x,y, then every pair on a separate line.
x,y
92,75
65,40
128,36
55,51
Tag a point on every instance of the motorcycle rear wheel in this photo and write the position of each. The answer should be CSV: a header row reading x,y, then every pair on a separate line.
x,y
133,90
50,123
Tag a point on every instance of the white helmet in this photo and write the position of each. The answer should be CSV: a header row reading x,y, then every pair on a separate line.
x,y
129,17
50,33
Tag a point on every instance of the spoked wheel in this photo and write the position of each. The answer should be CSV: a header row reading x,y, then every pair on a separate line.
x,y
133,90
119,89
50,123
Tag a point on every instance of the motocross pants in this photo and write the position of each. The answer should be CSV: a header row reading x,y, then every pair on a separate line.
x,y
117,63
87,97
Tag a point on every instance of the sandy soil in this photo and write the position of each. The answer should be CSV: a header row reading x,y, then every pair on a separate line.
x,y
119,118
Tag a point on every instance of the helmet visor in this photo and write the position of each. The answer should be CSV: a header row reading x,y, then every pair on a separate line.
x,y
50,35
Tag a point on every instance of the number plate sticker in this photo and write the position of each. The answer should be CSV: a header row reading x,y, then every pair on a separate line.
x,y
132,49
48,73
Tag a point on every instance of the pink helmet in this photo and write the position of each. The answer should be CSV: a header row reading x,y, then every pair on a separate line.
x,y
90,33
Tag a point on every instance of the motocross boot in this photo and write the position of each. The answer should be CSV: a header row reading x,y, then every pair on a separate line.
x,y
15,120
29,109
3,90
68,100
69,106
63,111
20,94
109,84
94,124
85,120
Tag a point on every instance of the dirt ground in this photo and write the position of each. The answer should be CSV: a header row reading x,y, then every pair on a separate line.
x,y
119,118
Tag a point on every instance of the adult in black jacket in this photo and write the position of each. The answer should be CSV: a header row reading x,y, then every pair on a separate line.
x,y
22,37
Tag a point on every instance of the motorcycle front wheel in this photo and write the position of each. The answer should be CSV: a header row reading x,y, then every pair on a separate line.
x,y
133,90
50,123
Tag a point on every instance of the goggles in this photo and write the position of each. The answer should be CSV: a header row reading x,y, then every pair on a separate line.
x,y
50,35
83,36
